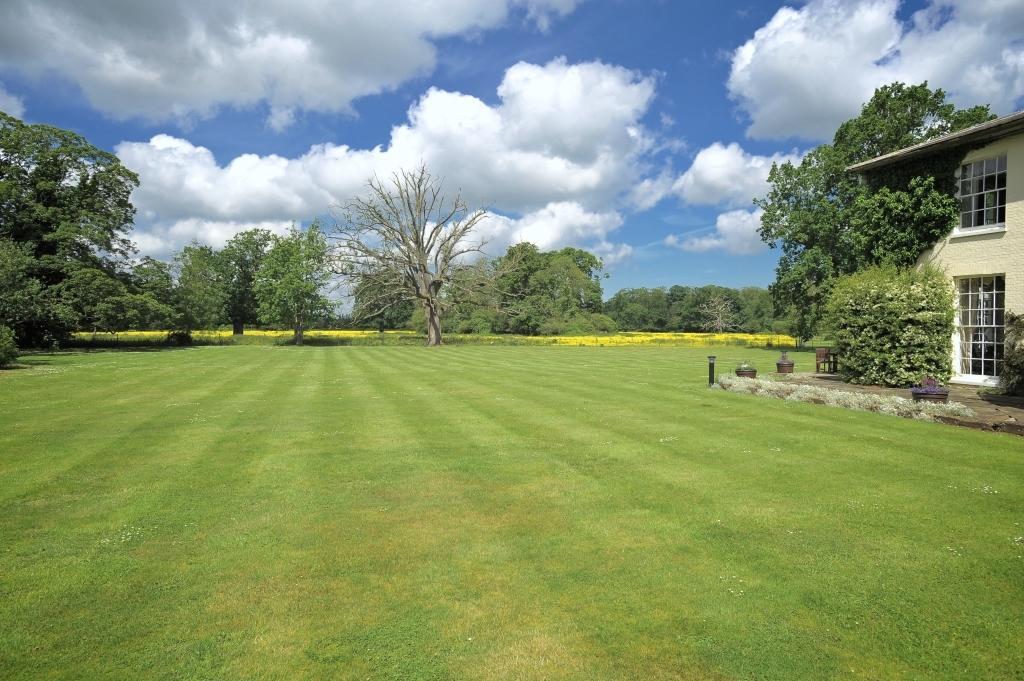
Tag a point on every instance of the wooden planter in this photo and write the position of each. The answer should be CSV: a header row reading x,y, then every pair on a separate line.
x,y
784,367
930,397
747,373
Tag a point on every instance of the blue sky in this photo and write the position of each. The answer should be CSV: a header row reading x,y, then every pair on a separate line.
x,y
639,130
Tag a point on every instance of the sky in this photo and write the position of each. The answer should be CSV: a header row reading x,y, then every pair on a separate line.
x,y
641,130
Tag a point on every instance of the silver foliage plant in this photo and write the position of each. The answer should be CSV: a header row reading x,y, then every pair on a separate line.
x,y
882,404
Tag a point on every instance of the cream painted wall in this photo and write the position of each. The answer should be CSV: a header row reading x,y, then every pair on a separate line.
x,y
993,253
982,254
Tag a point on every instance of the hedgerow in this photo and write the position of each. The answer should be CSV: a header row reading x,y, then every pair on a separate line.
x,y
891,326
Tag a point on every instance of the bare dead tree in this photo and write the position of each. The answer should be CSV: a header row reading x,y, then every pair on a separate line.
x,y
718,314
408,241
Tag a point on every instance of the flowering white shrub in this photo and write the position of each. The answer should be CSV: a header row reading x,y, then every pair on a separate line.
x,y
882,404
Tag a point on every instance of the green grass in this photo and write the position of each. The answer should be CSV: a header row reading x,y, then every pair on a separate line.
x,y
489,512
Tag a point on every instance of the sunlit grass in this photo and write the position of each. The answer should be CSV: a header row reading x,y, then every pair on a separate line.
x,y
489,512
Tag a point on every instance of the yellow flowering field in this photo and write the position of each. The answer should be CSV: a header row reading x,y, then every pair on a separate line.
x,y
366,336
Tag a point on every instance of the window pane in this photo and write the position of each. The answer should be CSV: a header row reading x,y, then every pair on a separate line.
x,y
1001,180
990,199
990,216
990,165
990,183
1001,197
999,368
977,184
1001,163
979,218
965,171
979,168
1000,283
1002,214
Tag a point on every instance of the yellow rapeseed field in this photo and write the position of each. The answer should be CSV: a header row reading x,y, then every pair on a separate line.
x,y
674,339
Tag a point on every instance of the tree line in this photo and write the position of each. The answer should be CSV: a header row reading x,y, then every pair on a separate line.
x,y
407,252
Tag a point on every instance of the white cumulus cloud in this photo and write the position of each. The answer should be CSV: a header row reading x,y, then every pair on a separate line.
x,y
556,225
185,58
727,174
811,68
735,232
517,157
11,104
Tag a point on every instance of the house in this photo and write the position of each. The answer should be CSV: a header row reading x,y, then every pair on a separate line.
x,y
984,255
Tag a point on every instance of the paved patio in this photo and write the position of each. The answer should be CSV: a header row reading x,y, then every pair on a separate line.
x,y
991,412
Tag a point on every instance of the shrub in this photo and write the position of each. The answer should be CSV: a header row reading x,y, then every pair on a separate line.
x,y
1011,378
8,349
892,327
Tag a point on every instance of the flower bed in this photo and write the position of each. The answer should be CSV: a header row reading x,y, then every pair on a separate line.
x,y
882,404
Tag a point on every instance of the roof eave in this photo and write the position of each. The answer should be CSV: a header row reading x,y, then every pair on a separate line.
x,y
983,133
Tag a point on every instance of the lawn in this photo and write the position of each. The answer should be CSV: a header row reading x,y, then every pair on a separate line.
x,y
489,513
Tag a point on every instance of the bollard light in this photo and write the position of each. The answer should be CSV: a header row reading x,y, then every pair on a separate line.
x,y
711,369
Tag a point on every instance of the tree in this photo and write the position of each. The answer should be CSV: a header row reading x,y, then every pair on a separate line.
x,y
372,306
242,257
22,300
828,222
154,277
756,312
289,284
83,293
718,314
407,241
639,309
132,311
67,204
547,292
200,293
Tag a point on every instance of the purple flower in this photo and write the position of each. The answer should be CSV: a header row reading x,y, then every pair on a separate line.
x,y
929,386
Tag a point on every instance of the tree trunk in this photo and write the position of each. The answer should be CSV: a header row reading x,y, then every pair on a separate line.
x,y
237,327
433,324
298,335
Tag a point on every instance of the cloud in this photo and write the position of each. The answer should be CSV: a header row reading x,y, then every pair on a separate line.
x,y
165,238
184,58
11,104
556,225
735,233
809,69
726,174
518,157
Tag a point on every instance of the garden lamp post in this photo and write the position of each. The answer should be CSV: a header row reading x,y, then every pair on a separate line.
x,y
711,369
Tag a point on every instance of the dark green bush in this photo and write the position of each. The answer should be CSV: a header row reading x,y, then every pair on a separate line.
x,y
8,349
892,327
1011,379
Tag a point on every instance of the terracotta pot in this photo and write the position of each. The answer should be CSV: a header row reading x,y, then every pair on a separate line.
x,y
747,373
930,397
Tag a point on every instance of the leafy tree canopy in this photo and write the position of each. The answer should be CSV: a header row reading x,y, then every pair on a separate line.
x,y
290,282
828,222
65,197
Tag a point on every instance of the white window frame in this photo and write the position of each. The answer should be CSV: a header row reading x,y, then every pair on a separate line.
x,y
994,309
990,168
